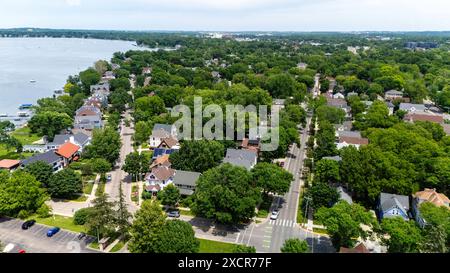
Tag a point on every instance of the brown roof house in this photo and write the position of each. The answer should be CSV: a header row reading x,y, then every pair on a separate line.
x,y
162,161
158,179
350,138
88,118
428,195
360,248
69,152
9,164
412,117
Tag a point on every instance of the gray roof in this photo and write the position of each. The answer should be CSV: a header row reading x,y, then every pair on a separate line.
x,y
61,139
394,92
49,157
241,158
334,158
186,178
279,101
349,134
344,195
388,201
412,107
164,127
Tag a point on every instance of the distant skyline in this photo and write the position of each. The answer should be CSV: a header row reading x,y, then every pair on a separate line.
x,y
230,15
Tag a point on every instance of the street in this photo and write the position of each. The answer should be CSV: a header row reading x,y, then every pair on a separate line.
x,y
35,240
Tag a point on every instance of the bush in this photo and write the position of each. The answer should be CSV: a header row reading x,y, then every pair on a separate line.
x,y
81,216
44,211
76,165
147,195
23,214
86,169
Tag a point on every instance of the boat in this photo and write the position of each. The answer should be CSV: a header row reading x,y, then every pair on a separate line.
x,y
32,81
3,115
23,114
25,106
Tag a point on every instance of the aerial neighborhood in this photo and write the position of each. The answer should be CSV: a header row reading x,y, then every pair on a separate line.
x,y
362,164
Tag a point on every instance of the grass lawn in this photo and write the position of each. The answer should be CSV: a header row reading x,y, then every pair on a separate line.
x,y
81,198
25,136
118,246
87,189
5,154
186,212
100,189
320,230
94,245
61,222
208,246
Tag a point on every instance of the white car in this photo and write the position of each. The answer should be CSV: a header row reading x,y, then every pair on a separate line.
x,y
274,215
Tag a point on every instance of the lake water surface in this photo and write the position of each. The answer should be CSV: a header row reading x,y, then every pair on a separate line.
x,y
48,61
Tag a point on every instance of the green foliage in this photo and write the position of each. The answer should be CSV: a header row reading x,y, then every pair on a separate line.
x,y
20,191
136,164
322,195
65,184
244,249
343,222
142,132
404,236
436,217
272,178
41,171
226,194
44,211
295,246
327,171
198,156
169,196
176,236
89,77
49,123
331,114
147,107
105,144
81,216
100,219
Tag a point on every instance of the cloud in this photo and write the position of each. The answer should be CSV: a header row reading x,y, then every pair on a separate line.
x,y
73,2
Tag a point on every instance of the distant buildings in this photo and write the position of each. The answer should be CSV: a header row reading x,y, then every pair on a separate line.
x,y
427,195
88,118
350,138
160,132
186,182
393,95
241,158
50,157
392,205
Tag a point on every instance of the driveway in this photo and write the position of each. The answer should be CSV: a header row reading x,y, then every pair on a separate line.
x,y
35,240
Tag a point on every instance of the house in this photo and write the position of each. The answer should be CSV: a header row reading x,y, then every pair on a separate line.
x,y
412,117
250,145
169,143
158,152
241,158
88,118
411,107
350,138
9,164
147,70
161,131
392,205
344,195
338,103
391,107
80,139
216,75
103,88
69,152
161,161
338,95
360,248
186,182
50,157
393,95
302,66
427,195
158,179
108,75
345,126
351,94
446,128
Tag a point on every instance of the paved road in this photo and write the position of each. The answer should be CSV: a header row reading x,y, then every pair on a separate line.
x,y
35,240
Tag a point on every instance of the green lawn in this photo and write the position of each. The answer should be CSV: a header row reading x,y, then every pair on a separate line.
x,y
186,212
207,246
5,154
59,221
118,246
87,189
100,189
25,136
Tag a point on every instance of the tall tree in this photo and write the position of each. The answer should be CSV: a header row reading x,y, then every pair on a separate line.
x,y
101,218
65,184
49,123
404,236
198,156
136,164
176,236
272,178
295,246
123,216
169,196
105,144
41,170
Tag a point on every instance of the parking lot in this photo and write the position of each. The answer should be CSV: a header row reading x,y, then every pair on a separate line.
x,y
35,240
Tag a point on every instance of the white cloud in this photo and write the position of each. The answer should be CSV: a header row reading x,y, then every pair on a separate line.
x,y
73,2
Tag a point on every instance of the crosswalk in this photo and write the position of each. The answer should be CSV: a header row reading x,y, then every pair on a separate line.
x,y
282,223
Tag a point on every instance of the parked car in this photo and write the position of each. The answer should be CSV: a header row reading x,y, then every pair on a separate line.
x,y
108,177
22,251
81,235
52,231
26,225
274,215
174,213
9,248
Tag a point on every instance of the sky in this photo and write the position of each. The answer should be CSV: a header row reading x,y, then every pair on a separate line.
x,y
229,15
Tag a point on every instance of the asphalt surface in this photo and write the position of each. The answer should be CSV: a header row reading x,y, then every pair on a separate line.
x,y
35,240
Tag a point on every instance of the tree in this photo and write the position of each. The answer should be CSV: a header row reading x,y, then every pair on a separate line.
x,y
198,156
322,195
105,144
377,116
331,114
282,85
437,217
142,132
123,216
101,166
169,196
81,216
226,194
295,246
101,218
136,164
65,184
89,77
326,140
41,171
176,236
120,83
327,171
148,107
101,66
404,236
271,178
148,222
244,249
49,123
20,191
343,222
435,240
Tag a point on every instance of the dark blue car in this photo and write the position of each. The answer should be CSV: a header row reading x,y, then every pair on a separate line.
x,y
52,231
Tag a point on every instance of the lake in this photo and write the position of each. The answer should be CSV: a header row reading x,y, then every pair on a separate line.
x,y
48,61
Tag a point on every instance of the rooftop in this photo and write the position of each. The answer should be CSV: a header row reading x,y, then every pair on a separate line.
x,y
432,196
8,163
68,149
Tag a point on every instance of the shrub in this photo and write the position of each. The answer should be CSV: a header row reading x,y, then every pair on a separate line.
x,y
44,211
23,214
81,216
